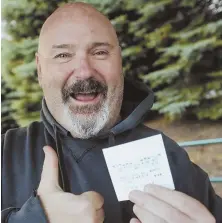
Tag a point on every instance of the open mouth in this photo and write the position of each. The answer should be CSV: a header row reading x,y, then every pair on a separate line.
x,y
86,96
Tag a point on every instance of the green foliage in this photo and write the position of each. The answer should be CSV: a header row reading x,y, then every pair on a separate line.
x,y
213,110
19,72
173,46
7,120
181,56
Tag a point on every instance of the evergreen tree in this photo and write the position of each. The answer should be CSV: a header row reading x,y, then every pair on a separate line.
x,y
7,120
172,45
176,48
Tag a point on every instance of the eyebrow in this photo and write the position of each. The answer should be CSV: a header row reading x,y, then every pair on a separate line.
x,y
93,45
97,44
63,46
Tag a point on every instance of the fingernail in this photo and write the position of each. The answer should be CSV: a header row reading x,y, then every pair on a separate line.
x,y
146,188
149,187
45,149
133,195
134,220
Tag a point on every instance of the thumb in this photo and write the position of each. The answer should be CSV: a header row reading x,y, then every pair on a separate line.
x,y
50,171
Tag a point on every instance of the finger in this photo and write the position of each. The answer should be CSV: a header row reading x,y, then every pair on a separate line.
x,y
146,216
135,220
179,200
164,210
50,171
95,198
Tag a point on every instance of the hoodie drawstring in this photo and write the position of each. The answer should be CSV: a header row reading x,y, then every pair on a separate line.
x,y
62,176
63,179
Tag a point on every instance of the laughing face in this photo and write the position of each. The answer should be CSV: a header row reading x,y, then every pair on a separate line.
x,y
80,70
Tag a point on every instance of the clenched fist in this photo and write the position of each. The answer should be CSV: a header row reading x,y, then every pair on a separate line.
x,y
65,207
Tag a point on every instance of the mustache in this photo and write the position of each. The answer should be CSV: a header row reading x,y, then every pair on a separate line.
x,y
83,86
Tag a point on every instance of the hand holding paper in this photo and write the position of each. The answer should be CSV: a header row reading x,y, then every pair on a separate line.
x,y
132,166
136,164
160,204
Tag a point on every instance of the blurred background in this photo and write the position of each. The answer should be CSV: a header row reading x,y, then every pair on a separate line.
x,y
174,46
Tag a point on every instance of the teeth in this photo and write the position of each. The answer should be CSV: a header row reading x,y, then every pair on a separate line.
x,y
85,97
74,95
93,94
86,93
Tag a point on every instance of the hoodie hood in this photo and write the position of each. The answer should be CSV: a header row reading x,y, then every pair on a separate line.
x,y
137,101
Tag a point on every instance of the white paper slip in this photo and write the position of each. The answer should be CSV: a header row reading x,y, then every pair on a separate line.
x,y
133,165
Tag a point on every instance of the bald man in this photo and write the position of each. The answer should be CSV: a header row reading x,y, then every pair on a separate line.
x,y
54,170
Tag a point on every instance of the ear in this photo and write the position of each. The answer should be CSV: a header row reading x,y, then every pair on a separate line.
x,y
38,65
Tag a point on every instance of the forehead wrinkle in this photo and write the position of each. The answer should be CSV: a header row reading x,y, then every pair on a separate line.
x,y
73,11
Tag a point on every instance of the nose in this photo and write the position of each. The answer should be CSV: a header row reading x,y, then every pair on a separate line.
x,y
84,70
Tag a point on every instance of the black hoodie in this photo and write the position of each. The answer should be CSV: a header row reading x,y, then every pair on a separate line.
x,y
82,164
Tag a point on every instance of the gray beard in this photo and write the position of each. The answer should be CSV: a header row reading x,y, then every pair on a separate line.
x,y
87,125
99,119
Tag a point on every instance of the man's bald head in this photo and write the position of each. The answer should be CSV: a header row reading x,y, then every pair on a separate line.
x,y
75,12
80,69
